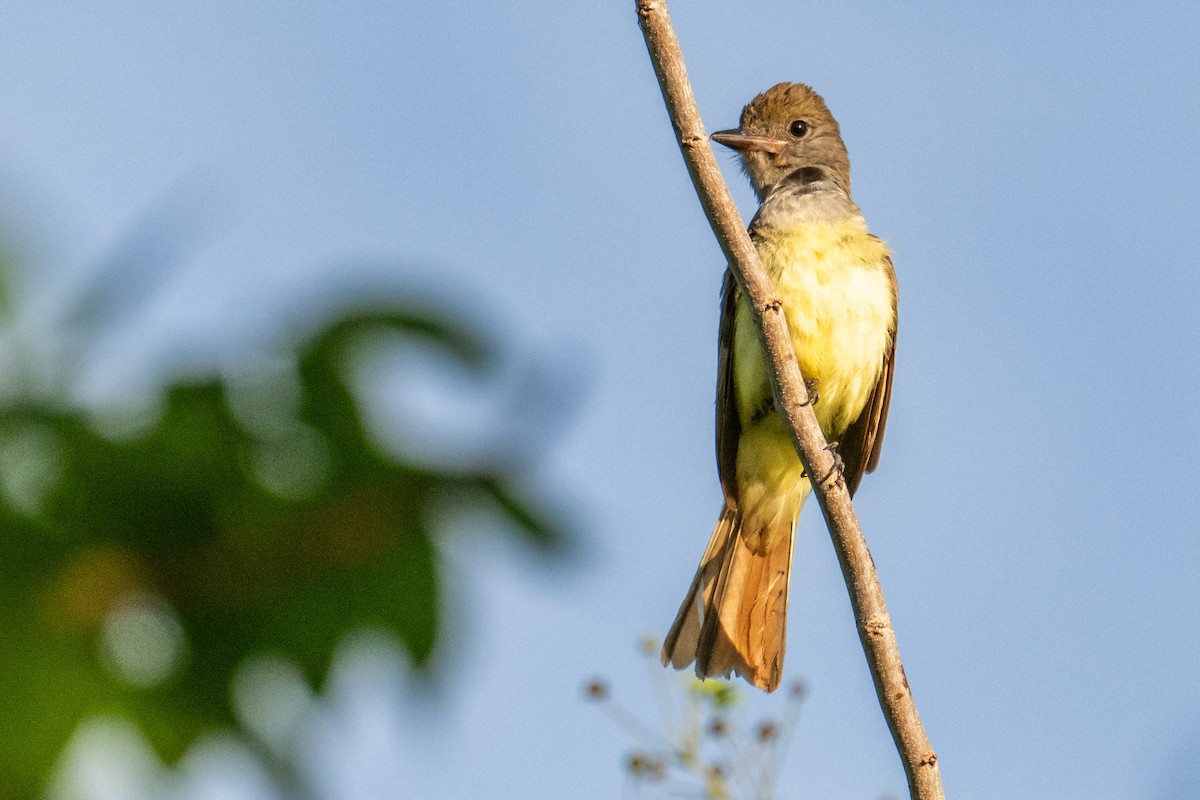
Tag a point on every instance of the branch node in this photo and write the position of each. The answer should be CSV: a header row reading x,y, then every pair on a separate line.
x,y
877,627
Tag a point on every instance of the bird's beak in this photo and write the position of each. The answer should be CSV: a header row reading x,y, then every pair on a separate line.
x,y
741,141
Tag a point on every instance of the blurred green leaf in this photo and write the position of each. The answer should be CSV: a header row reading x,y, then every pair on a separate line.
x,y
139,573
536,526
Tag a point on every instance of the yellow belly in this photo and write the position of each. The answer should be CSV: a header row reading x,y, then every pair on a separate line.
x,y
836,290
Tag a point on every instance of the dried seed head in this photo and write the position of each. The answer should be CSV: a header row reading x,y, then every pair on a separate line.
x,y
645,766
596,690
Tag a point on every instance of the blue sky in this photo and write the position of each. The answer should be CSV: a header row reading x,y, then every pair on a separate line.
x,y
1033,167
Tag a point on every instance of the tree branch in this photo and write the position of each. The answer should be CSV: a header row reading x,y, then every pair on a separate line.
x,y
791,398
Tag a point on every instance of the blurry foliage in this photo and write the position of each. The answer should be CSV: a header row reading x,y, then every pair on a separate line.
x,y
137,571
705,748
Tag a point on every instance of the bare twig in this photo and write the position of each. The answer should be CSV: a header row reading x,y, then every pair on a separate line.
x,y
791,398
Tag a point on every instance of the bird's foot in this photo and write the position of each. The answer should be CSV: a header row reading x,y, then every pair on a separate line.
x,y
810,384
838,470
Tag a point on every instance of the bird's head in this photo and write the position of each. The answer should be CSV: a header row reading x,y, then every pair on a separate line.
x,y
788,132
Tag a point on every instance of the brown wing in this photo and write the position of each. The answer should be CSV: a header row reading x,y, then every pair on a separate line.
x,y
860,445
729,427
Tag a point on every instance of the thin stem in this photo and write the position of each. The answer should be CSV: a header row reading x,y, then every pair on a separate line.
x,y
791,398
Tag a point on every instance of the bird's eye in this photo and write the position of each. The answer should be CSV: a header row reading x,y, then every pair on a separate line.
x,y
798,128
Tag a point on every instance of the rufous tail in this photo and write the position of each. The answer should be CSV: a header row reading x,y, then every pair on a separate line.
x,y
734,618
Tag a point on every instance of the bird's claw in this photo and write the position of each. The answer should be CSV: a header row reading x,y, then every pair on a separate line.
x,y
810,384
839,466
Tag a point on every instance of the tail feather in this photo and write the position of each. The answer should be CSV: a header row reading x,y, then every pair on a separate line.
x,y
734,618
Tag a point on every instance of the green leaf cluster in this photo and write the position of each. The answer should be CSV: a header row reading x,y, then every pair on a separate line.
x,y
137,571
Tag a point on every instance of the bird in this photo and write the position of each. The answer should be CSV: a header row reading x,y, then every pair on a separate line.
x,y
837,289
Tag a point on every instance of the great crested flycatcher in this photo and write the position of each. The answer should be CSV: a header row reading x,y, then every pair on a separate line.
x,y
838,290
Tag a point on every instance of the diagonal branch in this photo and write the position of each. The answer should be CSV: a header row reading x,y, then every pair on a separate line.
x,y
791,398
